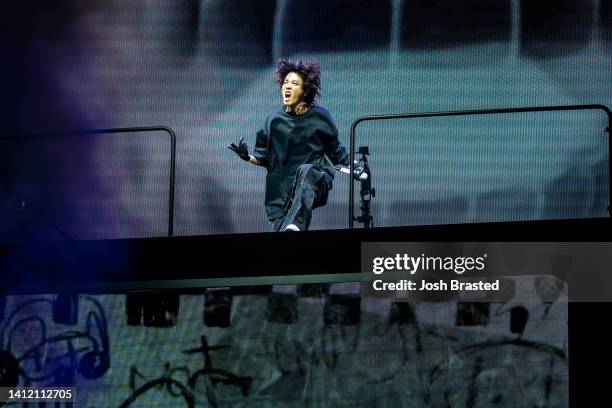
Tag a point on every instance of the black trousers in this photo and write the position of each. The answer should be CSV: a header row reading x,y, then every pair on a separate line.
x,y
310,190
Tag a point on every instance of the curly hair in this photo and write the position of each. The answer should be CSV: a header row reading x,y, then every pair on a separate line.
x,y
310,71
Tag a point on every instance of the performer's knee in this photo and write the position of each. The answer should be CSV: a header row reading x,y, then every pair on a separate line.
x,y
303,169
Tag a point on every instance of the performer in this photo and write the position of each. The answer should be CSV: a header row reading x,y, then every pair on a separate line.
x,y
298,146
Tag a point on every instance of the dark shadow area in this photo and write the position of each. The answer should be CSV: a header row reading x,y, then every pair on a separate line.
x,y
2,304
33,42
259,17
152,309
217,308
30,45
239,33
185,35
439,24
59,188
36,188
323,25
10,225
282,308
342,309
555,27
605,21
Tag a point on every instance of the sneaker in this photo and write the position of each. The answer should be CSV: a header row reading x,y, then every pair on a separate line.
x,y
291,227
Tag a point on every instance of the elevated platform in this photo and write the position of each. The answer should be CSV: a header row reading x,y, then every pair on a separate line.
x,y
114,266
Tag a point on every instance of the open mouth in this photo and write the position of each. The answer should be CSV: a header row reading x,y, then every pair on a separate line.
x,y
287,94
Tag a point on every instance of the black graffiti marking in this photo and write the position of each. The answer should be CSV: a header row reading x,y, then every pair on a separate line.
x,y
470,398
159,383
91,361
172,373
478,347
215,375
403,313
555,354
290,357
549,380
335,341
176,388
519,316
333,336
446,399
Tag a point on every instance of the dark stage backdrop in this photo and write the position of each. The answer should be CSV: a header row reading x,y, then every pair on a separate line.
x,y
205,69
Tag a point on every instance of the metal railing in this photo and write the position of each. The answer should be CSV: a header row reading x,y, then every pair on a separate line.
x,y
169,131
473,112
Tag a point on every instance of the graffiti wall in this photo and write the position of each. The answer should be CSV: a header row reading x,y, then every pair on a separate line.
x,y
291,346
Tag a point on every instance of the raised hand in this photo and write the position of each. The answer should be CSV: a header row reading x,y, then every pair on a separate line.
x,y
241,149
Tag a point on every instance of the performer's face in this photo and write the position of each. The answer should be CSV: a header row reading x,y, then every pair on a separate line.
x,y
292,90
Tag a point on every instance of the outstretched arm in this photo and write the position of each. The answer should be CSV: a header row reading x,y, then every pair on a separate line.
x,y
253,160
335,150
260,153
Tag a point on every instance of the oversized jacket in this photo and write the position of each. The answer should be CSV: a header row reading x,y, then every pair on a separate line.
x,y
286,142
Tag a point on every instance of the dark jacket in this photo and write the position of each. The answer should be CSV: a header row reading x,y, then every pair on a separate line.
x,y
286,142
